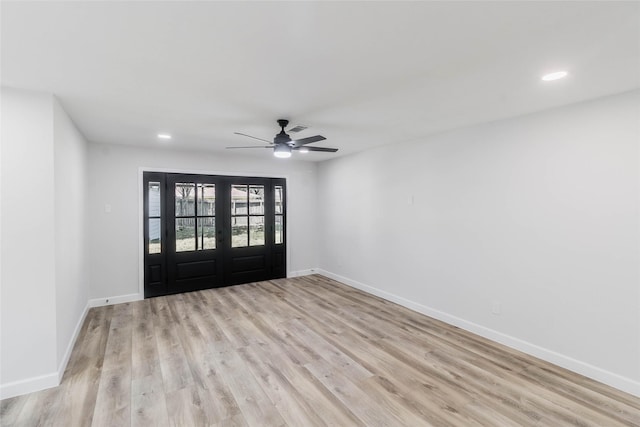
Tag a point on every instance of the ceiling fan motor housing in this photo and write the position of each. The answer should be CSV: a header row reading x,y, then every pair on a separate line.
x,y
282,137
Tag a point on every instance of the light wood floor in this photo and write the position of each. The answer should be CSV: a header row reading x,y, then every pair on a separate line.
x,y
303,352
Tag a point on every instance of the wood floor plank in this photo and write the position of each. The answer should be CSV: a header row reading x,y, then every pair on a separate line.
x,y
294,410
193,342
146,410
235,421
307,351
10,410
422,393
294,384
621,411
173,361
359,399
203,310
221,404
338,359
82,378
145,359
255,406
113,402
38,408
530,398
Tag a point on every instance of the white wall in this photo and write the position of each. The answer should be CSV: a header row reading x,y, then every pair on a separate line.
x,y
28,330
44,288
72,285
114,180
539,213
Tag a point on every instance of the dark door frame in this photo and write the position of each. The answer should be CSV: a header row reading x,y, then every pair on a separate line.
x,y
141,214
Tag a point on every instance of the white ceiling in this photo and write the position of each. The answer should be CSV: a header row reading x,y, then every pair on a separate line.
x,y
362,74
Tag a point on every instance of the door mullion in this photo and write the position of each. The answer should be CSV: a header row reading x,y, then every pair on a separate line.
x,y
269,222
195,213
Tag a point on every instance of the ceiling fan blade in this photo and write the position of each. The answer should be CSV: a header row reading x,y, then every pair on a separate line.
x,y
254,137
297,129
308,140
327,150
254,146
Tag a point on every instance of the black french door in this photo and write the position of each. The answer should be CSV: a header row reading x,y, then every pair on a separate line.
x,y
206,231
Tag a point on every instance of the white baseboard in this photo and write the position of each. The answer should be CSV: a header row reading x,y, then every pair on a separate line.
x,y
67,354
53,379
614,380
29,385
99,302
299,273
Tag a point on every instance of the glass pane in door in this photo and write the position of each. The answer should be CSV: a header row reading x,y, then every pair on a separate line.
x,y
278,230
206,199
154,199
256,230
278,198
185,199
256,200
239,232
239,199
154,218
185,234
155,242
207,233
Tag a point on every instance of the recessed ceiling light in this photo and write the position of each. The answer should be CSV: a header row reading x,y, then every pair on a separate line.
x,y
164,136
555,76
303,150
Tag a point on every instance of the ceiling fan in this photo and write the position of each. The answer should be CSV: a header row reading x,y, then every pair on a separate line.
x,y
283,144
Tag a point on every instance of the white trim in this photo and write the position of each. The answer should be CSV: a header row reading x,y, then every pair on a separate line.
x,y
210,172
99,302
29,385
299,273
614,380
143,169
287,230
62,366
141,230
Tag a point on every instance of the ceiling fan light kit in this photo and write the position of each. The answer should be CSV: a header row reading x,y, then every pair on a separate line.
x,y
283,145
282,151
